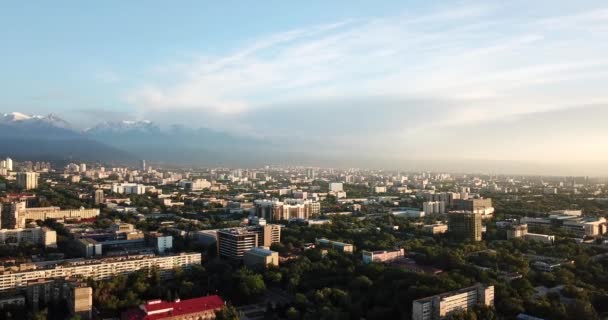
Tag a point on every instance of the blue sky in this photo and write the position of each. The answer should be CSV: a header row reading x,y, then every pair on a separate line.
x,y
419,78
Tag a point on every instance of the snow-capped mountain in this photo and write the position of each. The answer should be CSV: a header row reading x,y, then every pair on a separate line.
x,y
31,137
18,118
52,137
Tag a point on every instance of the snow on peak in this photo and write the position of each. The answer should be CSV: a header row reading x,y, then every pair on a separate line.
x,y
17,116
22,118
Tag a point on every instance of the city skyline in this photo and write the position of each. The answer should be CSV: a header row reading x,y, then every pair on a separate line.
x,y
426,84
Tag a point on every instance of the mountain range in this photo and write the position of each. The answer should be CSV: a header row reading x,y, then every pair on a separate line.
x,y
33,137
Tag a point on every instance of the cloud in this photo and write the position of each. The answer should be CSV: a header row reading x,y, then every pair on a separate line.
x,y
478,62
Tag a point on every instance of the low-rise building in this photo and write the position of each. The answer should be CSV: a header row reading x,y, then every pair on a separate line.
x,y
544,238
442,305
89,247
260,258
202,308
437,228
39,235
578,226
97,269
382,255
336,245
44,213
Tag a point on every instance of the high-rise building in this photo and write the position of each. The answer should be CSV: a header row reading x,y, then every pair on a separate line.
x,y
98,197
274,210
27,180
310,173
9,164
10,215
82,167
268,234
143,165
481,205
433,207
233,243
442,305
465,225
80,301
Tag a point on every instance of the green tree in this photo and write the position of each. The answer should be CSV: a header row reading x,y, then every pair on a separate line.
x,y
579,309
228,312
249,285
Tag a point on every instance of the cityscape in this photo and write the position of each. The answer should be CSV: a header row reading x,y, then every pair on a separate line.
x,y
89,241
318,160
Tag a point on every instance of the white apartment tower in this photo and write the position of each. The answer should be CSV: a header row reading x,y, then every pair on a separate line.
x,y
27,180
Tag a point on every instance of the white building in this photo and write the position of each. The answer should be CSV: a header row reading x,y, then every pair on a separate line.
x,y
336,186
98,269
439,306
382,255
380,189
544,238
27,180
161,243
8,164
40,236
433,207
438,228
44,213
195,185
128,188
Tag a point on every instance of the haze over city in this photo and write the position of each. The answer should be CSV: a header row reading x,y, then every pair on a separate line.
x,y
511,87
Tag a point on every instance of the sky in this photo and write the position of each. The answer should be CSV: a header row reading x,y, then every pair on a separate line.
x,y
519,81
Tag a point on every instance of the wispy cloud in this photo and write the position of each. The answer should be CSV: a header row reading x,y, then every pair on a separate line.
x,y
486,65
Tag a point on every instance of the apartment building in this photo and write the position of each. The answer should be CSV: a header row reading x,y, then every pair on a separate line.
x,y
27,180
97,268
442,305
482,206
433,207
465,225
274,210
40,236
44,213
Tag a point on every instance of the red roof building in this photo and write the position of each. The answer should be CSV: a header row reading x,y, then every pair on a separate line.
x,y
198,308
